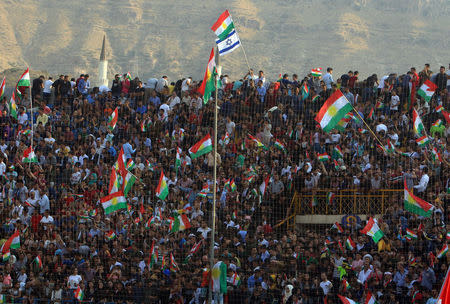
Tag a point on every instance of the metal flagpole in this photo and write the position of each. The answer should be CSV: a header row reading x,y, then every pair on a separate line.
x,y
213,213
31,114
242,46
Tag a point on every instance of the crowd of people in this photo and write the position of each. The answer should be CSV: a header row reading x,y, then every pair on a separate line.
x,y
69,244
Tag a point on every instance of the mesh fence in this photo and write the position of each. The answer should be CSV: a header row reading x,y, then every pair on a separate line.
x,y
108,197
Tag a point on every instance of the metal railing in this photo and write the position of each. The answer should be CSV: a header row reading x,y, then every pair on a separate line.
x,y
350,201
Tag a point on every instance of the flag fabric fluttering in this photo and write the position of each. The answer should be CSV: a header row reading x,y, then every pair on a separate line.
x,y
423,141
444,294
373,230
29,156
24,82
12,106
219,277
228,39
415,204
113,118
333,110
417,123
2,88
202,147
79,294
180,223
426,90
162,190
113,202
316,72
346,300
370,299
12,243
350,244
443,252
208,84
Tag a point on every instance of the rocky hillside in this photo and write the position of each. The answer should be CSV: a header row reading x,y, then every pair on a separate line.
x,y
151,38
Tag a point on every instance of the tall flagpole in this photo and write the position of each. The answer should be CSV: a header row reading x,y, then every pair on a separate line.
x,y
31,114
213,213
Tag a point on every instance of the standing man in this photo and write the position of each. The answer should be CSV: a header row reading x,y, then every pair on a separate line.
x,y
38,85
47,91
328,78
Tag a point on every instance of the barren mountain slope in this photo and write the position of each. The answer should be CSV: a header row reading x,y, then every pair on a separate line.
x,y
151,38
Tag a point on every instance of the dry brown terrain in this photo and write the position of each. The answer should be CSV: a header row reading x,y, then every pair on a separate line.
x,y
155,37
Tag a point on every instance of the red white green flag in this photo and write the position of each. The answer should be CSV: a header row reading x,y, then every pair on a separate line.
x,y
180,223
23,83
417,122
345,300
279,145
443,252
12,106
162,190
264,185
12,243
2,88
423,141
444,295
38,262
370,299
79,294
350,244
373,230
316,72
202,147
112,121
113,202
333,110
258,143
426,90
208,84
29,156
415,204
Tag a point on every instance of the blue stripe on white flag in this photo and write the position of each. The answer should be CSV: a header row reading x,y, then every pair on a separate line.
x,y
234,41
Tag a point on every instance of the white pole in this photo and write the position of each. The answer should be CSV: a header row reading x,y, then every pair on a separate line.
x,y
213,213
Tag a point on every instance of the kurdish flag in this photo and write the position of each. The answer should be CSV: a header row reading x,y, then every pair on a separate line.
x,y
6,256
112,120
114,183
427,90
439,108
38,262
12,243
162,190
223,26
208,84
443,252
12,106
219,277
113,202
79,294
173,265
444,294
29,156
350,244
337,152
338,227
416,205
305,91
317,72
280,145
24,81
128,182
258,143
370,299
410,234
178,160
180,223
333,110
153,259
202,147
323,157
2,88
435,155
373,230
417,121
205,190
423,141
330,198
130,164
110,235
346,300
437,123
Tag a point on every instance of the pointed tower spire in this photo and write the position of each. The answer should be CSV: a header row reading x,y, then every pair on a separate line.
x,y
103,53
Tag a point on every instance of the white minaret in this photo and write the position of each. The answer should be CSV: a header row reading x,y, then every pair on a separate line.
x,y
103,67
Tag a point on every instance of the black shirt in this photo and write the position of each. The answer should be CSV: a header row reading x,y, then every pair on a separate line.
x,y
37,85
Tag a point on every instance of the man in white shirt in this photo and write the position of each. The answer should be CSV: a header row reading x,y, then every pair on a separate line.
x,y
163,82
22,118
173,100
47,91
326,285
366,271
185,84
423,183
47,220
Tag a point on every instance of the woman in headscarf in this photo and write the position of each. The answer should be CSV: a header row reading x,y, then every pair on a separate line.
x,y
287,294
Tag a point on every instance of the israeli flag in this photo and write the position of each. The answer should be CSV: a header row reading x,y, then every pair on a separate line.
x,y
229,44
